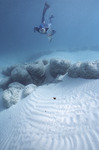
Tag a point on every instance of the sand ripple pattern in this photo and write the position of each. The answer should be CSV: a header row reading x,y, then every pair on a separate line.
x,y
71,122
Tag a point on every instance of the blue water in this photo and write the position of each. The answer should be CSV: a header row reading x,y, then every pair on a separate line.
x,y
76,23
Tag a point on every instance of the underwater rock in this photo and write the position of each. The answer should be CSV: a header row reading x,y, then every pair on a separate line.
x,y
16,85
11,96
5,82
7,71
37,72
21,75
58,67
28,89
45,62
87,70
74,70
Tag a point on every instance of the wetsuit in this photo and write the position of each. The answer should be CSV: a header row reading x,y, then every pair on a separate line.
x,y
45,28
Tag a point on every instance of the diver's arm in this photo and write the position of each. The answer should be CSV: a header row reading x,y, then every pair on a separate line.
x,y
50,38
36,29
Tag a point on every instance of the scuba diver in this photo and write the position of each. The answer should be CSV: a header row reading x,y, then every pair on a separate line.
x,y
46,28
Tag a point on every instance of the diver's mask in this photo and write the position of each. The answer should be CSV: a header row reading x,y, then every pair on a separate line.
x,y
42,30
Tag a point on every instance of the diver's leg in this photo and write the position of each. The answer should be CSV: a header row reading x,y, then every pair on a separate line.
x,y
46,6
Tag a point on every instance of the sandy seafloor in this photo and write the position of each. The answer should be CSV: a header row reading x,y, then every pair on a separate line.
x,y
70,122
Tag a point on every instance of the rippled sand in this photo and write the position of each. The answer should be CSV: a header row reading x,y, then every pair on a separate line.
x,y
40,122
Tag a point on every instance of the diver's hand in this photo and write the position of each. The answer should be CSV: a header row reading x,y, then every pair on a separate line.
x,y
34,29
50,38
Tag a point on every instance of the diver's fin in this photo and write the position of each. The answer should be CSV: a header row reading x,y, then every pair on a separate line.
x,y
47,5
51,17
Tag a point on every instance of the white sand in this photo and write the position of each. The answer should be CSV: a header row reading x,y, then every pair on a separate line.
x,y
38,122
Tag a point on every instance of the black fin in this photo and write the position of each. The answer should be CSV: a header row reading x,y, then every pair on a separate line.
x,y
47,5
